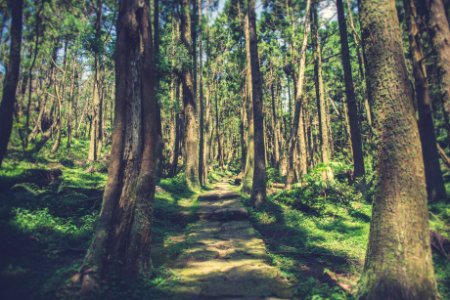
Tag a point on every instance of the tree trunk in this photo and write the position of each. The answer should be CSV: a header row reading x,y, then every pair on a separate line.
x,y
398,260
122,240
191,153
299,97
156,42
274,125
352,110
30,69
57,143
59,93
11,77
258,195
96,134
433,174
436,23
250,160
71,105
242,133
320,95
176,151
219,156
203,172
361,63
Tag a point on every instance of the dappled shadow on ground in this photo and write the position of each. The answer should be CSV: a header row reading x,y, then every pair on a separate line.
x,y
299,245
47,217
223,257
45,225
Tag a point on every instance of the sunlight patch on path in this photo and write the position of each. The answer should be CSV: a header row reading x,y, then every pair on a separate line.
x,y
225,258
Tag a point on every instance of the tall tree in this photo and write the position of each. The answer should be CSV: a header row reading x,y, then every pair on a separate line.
x,y
156,46
258,194
250,159
398,259
322,106
11,77
97,103
202,165
122,239
191,151
352,110
434,21
299,106
433,174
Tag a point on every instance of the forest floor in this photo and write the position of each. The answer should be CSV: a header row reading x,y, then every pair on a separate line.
x,y
304,243
224,256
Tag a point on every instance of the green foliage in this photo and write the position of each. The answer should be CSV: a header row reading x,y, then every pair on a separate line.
x,y
177,184
49,228
313,289
313,194
273,176
316,229
320,228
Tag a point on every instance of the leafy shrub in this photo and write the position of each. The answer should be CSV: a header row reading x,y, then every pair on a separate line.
x,y
314,193
51,229
176,184
273,175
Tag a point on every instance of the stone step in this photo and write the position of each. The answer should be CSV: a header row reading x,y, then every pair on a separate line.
x,y
214,195
224,214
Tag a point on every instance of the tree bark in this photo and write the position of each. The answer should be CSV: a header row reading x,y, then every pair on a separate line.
x,y
320,94
398,259
11,77
352,110
203,172
122,240
274,125
361,63
71,105
258,195
156,42
191,151
250,160
96,130
435,22
433,174
299,105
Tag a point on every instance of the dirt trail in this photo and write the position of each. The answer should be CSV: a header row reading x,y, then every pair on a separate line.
x,y
224,256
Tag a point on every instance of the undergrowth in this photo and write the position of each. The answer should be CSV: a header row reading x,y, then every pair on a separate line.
x,y
48,213
318,231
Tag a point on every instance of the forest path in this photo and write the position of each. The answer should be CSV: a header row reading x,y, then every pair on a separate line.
x,y
224,256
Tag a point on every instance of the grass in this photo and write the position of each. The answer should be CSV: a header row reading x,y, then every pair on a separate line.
x,y
317,234
47,217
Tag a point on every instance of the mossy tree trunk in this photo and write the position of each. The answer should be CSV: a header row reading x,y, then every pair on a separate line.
x,y
191,149
435,22
398,259
297,132
352,109
322,106
247,179
156,46
96,133
203,170
258,194
433,174
12,76
122,240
